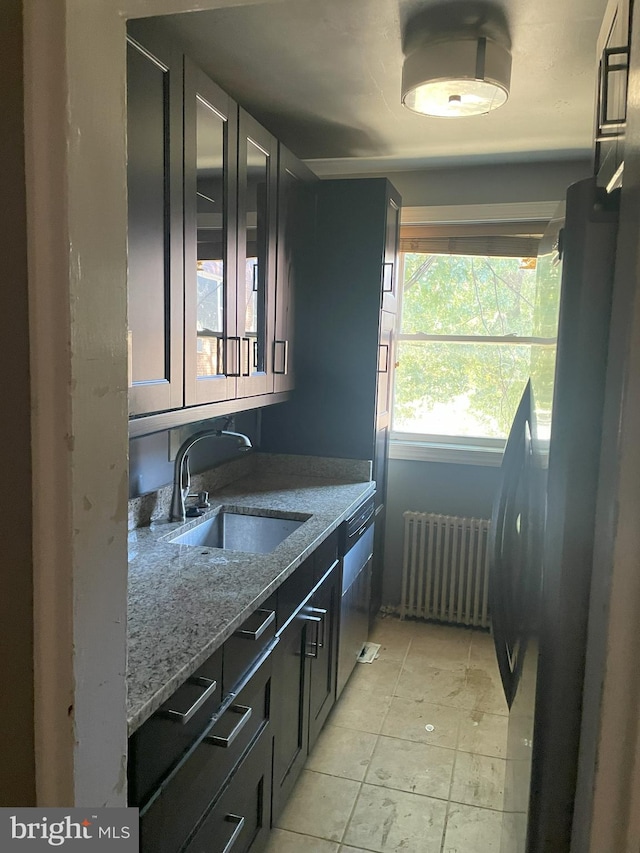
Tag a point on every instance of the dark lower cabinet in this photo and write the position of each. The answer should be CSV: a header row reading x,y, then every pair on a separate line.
x,y
212,770
169,820
290,703
377,568
325,604
160,744
304,682
240,819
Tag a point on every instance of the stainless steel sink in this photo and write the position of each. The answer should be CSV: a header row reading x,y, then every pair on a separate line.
x,y
236,530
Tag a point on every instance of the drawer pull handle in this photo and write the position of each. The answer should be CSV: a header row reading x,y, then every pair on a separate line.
x,y
239,822
226,742
184,717
255,635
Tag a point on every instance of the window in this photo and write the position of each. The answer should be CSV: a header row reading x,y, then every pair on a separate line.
x,y
464,348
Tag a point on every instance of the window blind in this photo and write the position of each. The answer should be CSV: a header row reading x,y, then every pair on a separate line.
x,y
508,240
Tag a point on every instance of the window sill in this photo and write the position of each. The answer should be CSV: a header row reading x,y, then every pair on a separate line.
x,y
458,454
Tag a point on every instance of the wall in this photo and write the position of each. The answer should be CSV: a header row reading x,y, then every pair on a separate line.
x,y
76,203
465,490
16,588
75,81
482,184
151,456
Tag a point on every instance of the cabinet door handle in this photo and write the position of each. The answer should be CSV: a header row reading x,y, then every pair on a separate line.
x,y
317,619
387,277
235,372
614,126
322,613
255,635
285,357
247,361
184,717
384,369
239,822
225,742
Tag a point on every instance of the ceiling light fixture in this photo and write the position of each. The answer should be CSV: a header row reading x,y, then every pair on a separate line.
x,y
456,77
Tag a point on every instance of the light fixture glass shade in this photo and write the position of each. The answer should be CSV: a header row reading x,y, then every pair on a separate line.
x,y
455,78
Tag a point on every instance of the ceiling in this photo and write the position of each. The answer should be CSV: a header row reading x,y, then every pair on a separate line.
x,y
324,77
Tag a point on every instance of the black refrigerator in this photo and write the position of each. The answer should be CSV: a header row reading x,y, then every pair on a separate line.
x,y
543,522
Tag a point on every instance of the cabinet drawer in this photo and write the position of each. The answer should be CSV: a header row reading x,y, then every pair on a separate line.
x,y
294,590
246,644
239,820
172,817
159,743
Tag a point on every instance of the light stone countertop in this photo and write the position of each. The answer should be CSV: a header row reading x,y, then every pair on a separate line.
x,y
184,601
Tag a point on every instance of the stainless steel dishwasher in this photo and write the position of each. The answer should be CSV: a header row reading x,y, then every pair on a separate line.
x,y
357,560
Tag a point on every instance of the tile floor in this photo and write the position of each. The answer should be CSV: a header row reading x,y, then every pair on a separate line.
x,y
411,759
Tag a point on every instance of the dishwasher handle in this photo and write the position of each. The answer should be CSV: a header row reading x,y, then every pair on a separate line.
x,y
358,524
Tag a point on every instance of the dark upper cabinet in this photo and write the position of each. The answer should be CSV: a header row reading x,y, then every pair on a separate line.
x,y
344,372
390,263
219,220
296,236
210,205
154,176
611,106
256,238
386,363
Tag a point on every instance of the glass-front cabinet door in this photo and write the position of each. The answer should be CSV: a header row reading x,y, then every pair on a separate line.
x,y
212,346
154,180
257,186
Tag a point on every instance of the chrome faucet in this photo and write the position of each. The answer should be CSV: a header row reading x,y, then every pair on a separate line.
x,y
181,473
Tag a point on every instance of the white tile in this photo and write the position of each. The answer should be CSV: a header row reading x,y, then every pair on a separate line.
x,y
356,709
353,850
320,805
393,638
438,655
472,830
422,722
514,830
438,686
478,780
342,752
386,821
483,733
443,646
379,677
484,691
483,654
417,768
281,841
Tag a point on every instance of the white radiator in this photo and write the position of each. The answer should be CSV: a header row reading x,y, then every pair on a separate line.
x,y
445,572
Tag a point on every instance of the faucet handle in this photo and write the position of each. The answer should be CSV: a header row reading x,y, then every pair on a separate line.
x,y
203,499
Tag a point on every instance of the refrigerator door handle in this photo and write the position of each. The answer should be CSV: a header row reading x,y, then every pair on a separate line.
x,y
504,621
